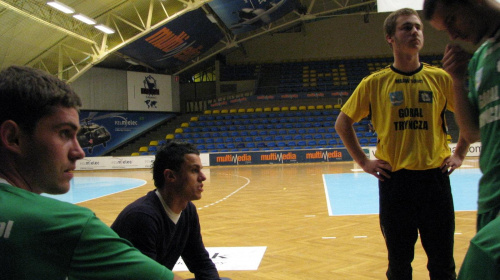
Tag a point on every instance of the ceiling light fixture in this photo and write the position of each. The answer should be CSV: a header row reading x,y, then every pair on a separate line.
x,y
61,7
85,19
105,29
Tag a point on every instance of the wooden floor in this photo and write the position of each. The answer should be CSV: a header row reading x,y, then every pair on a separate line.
x,y
284,208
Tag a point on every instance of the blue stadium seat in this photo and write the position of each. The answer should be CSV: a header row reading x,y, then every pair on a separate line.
x,y
152,149
220,146
201,147
332,142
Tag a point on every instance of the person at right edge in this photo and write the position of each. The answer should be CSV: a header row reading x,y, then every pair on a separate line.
x,y
407,101
477,104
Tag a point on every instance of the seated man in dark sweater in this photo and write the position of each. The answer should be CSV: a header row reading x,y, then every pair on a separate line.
x,y
164,223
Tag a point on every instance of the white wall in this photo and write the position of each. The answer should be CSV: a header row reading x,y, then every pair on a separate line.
x,y
106,89
102,89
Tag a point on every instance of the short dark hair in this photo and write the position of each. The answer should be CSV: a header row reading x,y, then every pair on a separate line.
x,y
170,156
390,21
27,95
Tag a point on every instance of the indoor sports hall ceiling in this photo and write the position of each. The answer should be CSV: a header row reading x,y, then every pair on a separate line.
x,y
161,36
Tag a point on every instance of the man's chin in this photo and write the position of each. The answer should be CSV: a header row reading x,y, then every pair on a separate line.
x,y
58,190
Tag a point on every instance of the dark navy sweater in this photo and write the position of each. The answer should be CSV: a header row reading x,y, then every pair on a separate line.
x,y
146,224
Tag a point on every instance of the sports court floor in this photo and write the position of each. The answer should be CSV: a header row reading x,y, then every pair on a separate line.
x,y
298,221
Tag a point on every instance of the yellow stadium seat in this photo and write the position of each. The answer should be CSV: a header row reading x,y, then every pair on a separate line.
x,y
328,106
134,154
293,108
284,108
143,149
258,109
241,110
337,106
178,130
216,111
169,136
320,107
276,109
185,124
153,143
207,112
224,111
250,110
267,109
232,111
194,119
302,107
311,107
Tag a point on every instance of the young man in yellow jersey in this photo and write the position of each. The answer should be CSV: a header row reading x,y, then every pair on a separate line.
x,y
407,101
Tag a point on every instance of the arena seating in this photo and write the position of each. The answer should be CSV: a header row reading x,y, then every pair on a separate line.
x,y
277,129
316,75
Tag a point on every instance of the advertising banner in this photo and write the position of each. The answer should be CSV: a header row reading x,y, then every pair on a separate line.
x,y
149,92
177,42
103,130
246,15
280,157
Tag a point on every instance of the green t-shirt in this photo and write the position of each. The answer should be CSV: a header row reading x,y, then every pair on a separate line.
x,y
482,261
43,238
484,72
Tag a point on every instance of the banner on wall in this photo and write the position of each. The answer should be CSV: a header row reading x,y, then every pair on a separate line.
x,y
149,92
246,15
280,157
177,42
244,158
104,130
127,162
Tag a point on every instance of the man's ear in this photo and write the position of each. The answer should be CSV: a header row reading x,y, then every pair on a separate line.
x,y
169,175
389,40
9,135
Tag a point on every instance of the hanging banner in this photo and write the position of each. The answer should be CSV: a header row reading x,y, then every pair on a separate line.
x,y
177,42
149,92
246,15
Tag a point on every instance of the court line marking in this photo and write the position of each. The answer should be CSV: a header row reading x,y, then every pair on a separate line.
x,y
229,195
328,204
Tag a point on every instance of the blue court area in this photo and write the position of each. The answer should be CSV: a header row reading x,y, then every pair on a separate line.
x,y
87,188
357,193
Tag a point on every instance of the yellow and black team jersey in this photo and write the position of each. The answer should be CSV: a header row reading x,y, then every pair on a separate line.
x,y
407,111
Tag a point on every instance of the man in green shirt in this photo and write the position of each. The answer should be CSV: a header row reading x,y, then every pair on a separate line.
x,y
42,238
477,110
